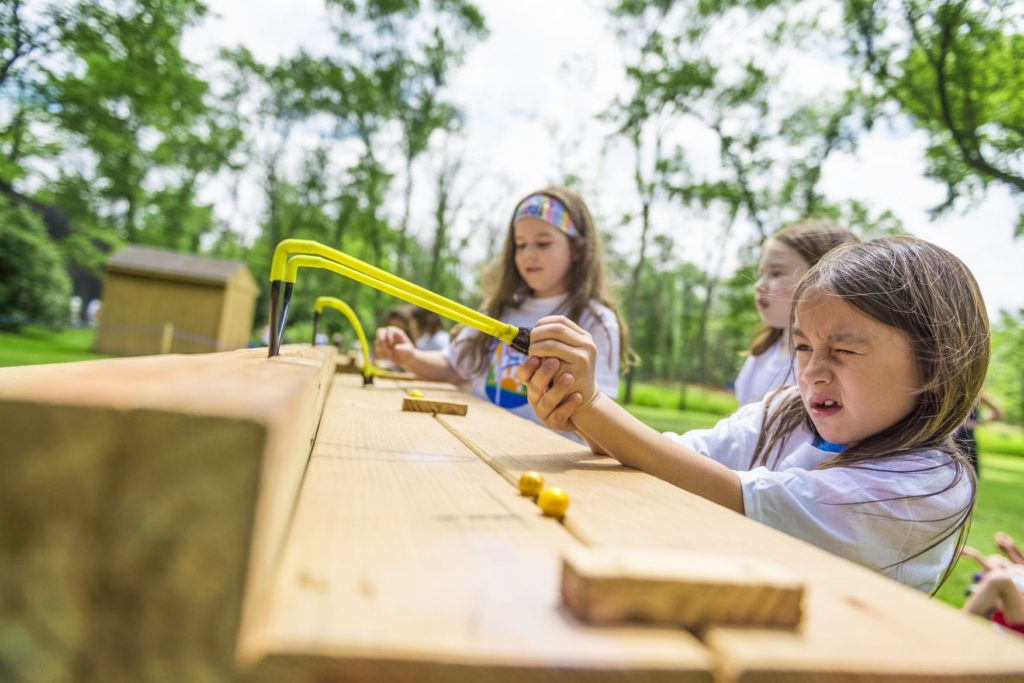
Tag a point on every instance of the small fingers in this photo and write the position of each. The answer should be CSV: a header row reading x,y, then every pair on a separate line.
x,y
524,373
548,397
562,414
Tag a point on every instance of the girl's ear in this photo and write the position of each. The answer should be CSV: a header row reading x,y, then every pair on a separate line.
x,y
575,250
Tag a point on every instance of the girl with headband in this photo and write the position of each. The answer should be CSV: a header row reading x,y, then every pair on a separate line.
x,y
551,265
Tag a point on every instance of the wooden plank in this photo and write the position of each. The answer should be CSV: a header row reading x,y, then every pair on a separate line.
x,y
126,508
411,559
688,589
857,624
433,405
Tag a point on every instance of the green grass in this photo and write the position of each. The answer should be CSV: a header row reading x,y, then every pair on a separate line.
x,y
671,397
1000,507
35,345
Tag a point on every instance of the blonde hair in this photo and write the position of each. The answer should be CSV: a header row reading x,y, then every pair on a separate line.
x,y
505,288
930,295
811,238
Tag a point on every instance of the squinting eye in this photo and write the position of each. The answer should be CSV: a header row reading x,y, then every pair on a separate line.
x,y
802,347
543,245
846,352
520,247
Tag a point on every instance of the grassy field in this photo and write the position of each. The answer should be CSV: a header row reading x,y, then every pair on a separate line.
x,y
36,345
1000,505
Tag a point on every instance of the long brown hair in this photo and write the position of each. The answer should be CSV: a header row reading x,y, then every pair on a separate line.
x,y
812,238
505,288
930,295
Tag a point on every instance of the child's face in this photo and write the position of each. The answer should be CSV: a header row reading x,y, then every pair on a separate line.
x,y
778,273
543,256
857,376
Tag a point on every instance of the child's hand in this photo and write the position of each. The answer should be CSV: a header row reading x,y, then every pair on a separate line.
x,y
558,337
553,400
393,344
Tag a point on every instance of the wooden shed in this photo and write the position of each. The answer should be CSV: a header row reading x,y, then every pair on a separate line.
x,y
160,301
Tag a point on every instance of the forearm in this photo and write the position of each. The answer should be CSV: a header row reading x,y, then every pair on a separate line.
x,y
609,426
432,365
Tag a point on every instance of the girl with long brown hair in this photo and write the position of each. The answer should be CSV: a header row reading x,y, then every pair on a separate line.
x,y
551,264
892,343
785,257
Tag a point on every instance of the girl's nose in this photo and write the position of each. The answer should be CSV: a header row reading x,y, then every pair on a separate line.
x,y
816,371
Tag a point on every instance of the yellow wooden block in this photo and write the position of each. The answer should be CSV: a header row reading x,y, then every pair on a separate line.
x,y
690,589
430,405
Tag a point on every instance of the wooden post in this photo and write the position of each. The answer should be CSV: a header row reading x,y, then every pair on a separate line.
x,y
167,338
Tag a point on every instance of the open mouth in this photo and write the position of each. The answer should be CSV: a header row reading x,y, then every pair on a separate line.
x,y
825,407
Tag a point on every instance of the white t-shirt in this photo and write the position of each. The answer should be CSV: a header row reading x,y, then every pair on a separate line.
x,y
439,341
761,374
842,509
497,382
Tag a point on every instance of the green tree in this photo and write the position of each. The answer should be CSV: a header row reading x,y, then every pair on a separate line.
x,y
33,283
136,103
957,70
1006,373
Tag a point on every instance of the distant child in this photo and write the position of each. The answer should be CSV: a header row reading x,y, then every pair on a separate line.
x,y
1000,597
551,264
429,331
964,435
892,344
400,319
785,257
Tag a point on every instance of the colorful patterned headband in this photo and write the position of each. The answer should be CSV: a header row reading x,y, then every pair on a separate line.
x,y
547,209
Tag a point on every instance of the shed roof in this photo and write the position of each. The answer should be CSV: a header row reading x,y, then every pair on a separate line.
x,y
173,265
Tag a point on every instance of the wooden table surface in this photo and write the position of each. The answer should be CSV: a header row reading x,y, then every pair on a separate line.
x,y
411,555
225,518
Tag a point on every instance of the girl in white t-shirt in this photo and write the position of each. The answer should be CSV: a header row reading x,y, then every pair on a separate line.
x,y
429,331
785,257
551,264
892,345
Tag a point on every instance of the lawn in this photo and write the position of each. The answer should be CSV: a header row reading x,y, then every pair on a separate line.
x,y
35,345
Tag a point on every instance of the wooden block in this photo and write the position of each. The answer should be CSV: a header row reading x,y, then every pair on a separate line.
x,y
431,405
614,585
127,528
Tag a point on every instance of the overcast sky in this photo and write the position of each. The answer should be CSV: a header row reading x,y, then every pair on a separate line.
x,y
530,93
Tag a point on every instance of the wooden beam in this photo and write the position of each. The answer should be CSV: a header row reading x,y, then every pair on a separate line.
x,y
688,589
127,499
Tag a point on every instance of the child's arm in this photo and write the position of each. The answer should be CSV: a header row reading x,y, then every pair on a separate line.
x,y
604,422
393,344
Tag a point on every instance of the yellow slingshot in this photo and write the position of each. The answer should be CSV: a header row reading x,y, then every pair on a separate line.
x,y
369,369
292,254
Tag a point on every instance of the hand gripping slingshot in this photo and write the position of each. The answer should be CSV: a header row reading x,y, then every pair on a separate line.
x,y
292,254
369,369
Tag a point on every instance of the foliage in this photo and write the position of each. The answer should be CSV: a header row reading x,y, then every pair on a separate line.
x,y
957,70
33,284
1006,372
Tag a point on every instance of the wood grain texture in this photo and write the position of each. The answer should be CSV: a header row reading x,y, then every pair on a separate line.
x,y
433,405
126,509
689,589
857,625
411,559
